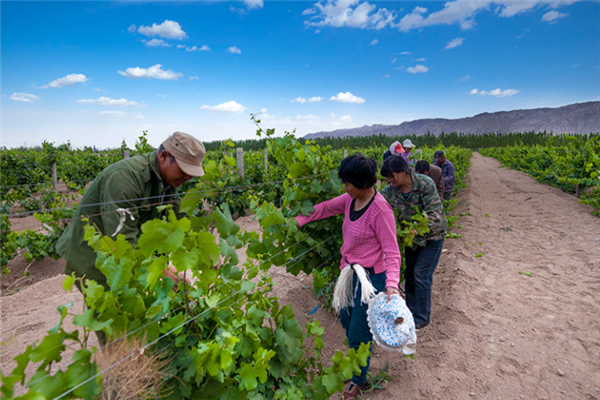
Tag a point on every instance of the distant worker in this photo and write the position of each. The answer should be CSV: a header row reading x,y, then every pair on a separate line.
x,y
396,149
408,155
448,170
434,172
135,184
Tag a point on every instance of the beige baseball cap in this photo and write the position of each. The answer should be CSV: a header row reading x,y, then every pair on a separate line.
x,y
188,151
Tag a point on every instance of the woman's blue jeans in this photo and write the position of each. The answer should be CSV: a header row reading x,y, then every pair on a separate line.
x,y
354,320
420,265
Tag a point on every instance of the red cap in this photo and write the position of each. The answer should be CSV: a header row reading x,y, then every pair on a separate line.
x,y
399,149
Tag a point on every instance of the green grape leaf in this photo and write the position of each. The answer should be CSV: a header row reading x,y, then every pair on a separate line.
x,y
207,244
249,377
332,383
49,386
68,282
156,270
87,320
49,350
80,370
117,275
224,222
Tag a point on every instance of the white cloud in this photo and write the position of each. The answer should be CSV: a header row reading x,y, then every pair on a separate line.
x,y
227,107
250,5
418,69
454,12
254,4
421,59
374,42
454,43
346,118
195,48
303,100
97,89
496,92
131,28
510,8
234,50
181,46
194,78
552,16
347,97
349,13
412,20
167,30
69,80
385,76
465,78
105,101
361,14
462,12
404,53
24,97
162,96
154,71
157,43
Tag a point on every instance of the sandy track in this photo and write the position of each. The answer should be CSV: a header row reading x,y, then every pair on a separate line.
x,y
496,334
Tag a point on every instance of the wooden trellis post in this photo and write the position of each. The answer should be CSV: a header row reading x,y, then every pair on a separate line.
x,y
266,160
54,177
240,161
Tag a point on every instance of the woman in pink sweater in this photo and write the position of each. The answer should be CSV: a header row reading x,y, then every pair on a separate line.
x,y
370,240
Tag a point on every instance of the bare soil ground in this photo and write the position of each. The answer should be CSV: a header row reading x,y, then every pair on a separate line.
x,y
496,332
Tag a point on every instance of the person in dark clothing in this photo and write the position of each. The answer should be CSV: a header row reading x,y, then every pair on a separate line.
x,y
434,172
439,159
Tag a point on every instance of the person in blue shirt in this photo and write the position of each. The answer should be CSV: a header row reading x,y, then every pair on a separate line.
x,y
447,167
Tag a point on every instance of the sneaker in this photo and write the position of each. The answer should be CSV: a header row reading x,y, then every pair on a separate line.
x,y
353,391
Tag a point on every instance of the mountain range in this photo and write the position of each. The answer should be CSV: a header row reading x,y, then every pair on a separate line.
x,y
573,118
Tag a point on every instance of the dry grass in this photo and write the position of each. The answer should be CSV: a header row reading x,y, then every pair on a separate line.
x,y
141,376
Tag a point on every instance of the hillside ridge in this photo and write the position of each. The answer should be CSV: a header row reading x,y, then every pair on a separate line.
x,y
572,118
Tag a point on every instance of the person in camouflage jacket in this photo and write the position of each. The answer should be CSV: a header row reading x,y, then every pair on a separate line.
x,y
409,193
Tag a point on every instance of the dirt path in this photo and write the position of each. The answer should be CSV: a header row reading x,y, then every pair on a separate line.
x,y
495,333
499,334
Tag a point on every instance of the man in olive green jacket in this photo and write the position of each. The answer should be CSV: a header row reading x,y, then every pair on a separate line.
x,y
138,185
435,173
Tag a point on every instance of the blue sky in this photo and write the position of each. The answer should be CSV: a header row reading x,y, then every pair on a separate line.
x,y
95,73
